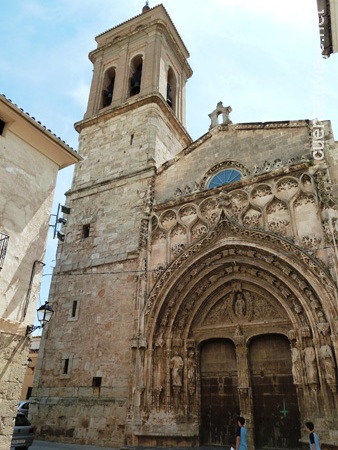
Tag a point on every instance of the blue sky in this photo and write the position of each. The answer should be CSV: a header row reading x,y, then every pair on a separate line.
x,y
261,57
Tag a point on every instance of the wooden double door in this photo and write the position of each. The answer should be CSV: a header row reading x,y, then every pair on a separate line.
x,y
274,407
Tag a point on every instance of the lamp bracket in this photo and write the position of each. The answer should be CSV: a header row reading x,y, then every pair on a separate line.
x,y
31,328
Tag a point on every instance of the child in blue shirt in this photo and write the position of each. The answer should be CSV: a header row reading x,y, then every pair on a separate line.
x,y
314,440
241,435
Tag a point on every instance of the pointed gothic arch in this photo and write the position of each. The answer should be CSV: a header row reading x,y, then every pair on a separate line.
x,y
238,284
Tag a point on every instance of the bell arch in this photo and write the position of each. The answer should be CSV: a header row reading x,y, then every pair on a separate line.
x,y
136,68
239,283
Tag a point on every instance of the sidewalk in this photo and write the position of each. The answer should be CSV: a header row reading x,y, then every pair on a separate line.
x,y
44,445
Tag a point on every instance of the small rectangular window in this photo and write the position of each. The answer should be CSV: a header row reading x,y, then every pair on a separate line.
x,y
2,126
65,366
74,308
86,230
96,381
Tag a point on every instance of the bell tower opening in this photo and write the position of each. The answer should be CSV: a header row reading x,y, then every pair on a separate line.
x,y
136,75
143,58
171,89
108,87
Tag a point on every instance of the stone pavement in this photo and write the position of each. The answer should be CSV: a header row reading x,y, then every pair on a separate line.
x,y
44,445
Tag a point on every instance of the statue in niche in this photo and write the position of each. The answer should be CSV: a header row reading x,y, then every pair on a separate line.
x,y
240,305
176,365
329,366
296,366
191,372
310,365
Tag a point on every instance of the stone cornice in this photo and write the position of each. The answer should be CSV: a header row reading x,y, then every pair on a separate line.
x,y
157,99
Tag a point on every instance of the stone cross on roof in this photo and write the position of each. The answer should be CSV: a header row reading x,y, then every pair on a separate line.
x,y
220,109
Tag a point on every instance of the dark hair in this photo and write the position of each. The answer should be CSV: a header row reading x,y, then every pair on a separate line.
x,y
241,420
309,425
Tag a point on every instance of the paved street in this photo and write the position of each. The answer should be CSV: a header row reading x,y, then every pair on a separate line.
x,y
44,445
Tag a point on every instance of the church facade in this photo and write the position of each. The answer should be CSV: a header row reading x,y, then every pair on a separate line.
x,y
197,281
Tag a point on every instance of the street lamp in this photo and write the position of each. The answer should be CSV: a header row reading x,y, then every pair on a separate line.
x,y
29,364
45,313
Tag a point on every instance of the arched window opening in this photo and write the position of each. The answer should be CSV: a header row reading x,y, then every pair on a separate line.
x,y
224,177
136,75
171,89
108,90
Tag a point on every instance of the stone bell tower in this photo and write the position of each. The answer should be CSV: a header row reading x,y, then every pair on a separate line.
x,y
140,72
135,121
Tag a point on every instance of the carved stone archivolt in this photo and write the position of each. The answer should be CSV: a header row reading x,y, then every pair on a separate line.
x,y
281,206
227,286
235,264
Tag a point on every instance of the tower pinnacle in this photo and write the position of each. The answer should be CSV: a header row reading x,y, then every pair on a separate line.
x,y
145,7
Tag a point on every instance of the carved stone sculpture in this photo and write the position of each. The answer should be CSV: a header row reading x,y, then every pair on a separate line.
x,y
296,366
191,372
329,366
310,365
176,365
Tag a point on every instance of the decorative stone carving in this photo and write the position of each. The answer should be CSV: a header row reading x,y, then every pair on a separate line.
x,y
168,219
277,163
299,310
188,214
296,366
276,206
229,228
224,200
304,199
177,249
198,231
239,337
329,366
279,226
178,230
310,365
176,365
324,188
323,327
310,242
178,193
239,202
220,109
191,372
252,218
239,305
262,191
306,182
289,185
158,270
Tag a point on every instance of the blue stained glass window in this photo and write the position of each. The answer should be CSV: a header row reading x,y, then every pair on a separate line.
x,y
224,177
